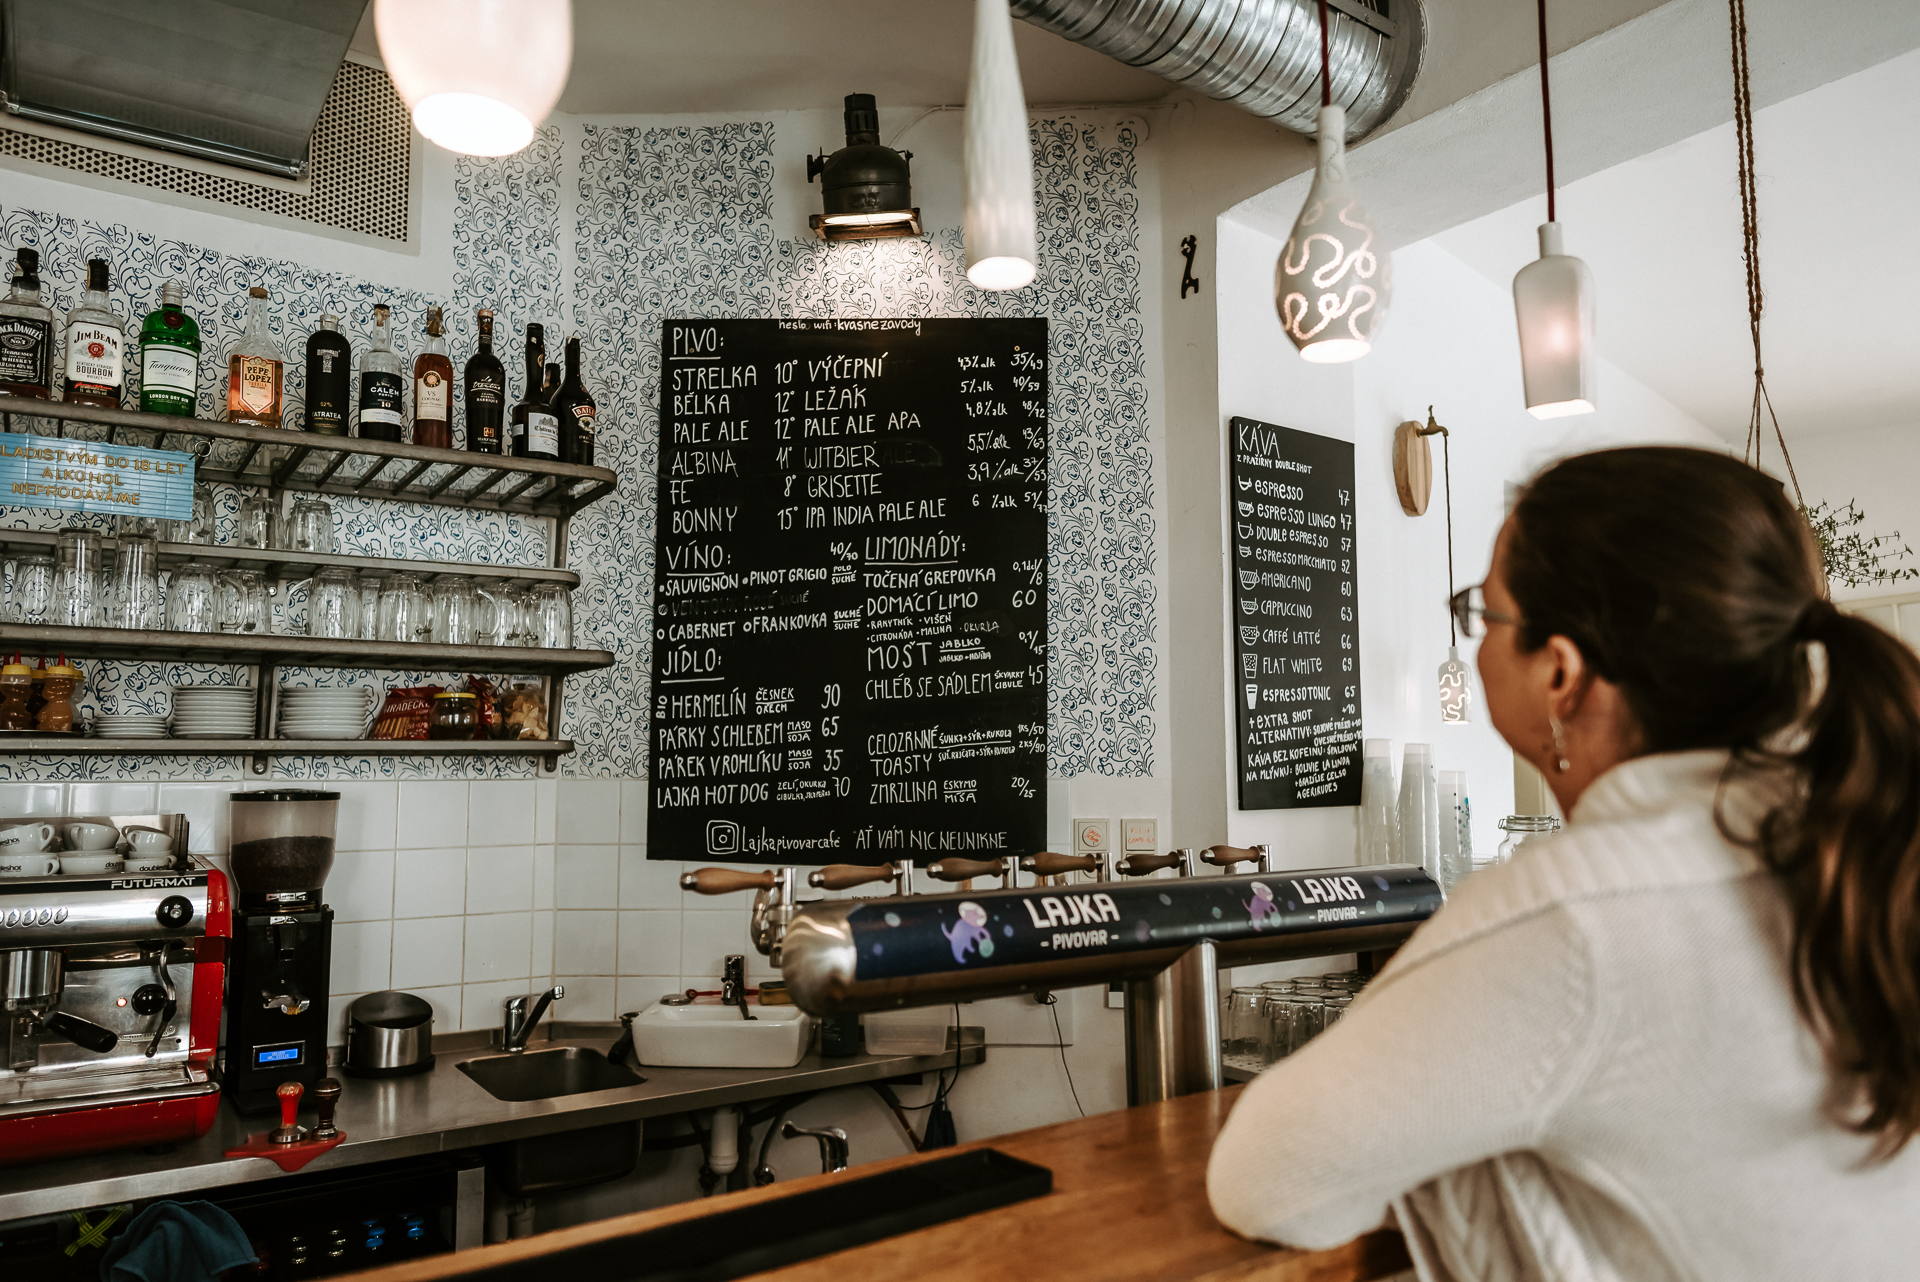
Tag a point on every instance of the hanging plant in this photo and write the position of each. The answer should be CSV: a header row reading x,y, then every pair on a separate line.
x,y
1851,557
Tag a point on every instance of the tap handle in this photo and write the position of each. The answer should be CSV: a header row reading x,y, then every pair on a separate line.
x,y
326,1098
724,881
966,869
1228,856
1142,865
1050,863
833,1145
847,876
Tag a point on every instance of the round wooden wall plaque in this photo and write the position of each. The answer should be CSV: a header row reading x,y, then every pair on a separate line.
x,y
1412,468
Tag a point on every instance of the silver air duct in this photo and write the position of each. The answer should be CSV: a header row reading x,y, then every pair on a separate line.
x,y
1261,55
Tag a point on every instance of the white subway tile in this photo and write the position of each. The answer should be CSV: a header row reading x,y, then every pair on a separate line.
x,y
589,812
429,883
584,943
112,797
368,815
433,812
589,997
206,807
706,938
501,813
543,873
427,952
482,1005
499,946
650,942
546,817
637,992
337,1004
649,883
543,926
633,812
499,879
586,877
33,800
360,887
362,956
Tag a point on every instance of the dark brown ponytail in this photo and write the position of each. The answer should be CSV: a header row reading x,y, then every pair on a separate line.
x,y
1690,581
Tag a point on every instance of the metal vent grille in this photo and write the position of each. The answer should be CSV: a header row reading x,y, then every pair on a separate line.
x,y
362,163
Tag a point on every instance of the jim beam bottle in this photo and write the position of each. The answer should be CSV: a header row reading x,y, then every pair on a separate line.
x,y
26,333
96,361
486,393
575,409
170,356
255,371
329,378
433,388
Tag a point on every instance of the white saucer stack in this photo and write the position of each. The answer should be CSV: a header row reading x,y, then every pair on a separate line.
x,y
213,712
324,712
130,725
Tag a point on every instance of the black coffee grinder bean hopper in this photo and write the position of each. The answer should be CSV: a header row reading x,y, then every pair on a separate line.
x,y
282,944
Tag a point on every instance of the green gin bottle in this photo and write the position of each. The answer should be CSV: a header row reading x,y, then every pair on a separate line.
x,y
169,356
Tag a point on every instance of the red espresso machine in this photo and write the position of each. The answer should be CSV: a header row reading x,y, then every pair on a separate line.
x,y
112,992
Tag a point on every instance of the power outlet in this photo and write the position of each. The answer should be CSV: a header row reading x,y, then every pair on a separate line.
x,y
1142,836
1092,836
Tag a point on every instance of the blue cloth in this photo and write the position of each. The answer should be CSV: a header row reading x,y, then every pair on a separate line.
x,y
177,1242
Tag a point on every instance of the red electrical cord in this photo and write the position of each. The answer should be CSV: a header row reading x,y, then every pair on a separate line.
x,y
1546,103
1326,75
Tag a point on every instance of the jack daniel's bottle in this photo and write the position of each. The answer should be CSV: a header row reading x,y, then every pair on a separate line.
x,y
26,334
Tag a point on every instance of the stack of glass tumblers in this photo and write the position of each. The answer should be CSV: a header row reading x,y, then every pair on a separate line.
x,y
1271,1021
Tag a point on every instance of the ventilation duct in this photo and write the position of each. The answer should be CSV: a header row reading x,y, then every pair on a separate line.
x,y
240,82
1261,55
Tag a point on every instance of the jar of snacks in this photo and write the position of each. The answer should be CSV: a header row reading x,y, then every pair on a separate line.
x,y
523,710
456,715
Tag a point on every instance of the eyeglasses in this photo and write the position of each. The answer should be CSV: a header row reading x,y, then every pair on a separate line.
x,y
1470,613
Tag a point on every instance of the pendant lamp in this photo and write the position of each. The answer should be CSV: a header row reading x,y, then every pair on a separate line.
x,y
1002,244
478,75
1553,303
1332,284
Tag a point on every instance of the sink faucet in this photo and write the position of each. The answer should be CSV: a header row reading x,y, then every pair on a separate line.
x,y
833,1145
519,1024
733,984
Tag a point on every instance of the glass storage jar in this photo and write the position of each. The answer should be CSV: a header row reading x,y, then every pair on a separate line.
x,y
1521,829
456,715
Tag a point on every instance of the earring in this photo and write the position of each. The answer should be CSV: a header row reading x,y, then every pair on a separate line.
x,y
1560,761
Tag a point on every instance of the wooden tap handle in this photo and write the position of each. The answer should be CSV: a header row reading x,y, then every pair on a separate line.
x,y
724,881
847,876
1228,856
965,869
1049,863
1141,865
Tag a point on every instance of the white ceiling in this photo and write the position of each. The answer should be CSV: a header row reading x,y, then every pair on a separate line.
x,y
1839,176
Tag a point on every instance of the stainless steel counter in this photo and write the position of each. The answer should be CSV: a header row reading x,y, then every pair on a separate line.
x,y
438,1111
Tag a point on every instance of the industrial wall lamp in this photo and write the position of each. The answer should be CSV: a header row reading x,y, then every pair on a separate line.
x,y
865,187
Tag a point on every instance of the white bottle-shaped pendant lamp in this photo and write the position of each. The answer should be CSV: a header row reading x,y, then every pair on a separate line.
x,y
1553,302
1002,244
1332,284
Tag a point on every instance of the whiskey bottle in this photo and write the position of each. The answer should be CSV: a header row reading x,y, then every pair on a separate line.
x,y
26,334
329,378
169,356
96,365
486,393
433,388
575,409
536,432
255,372
381,388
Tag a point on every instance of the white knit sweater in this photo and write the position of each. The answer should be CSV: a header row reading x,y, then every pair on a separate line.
x,y
1587,1066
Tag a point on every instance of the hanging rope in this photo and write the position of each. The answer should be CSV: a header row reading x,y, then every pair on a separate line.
x,y
1750,249
1446,464
1546,110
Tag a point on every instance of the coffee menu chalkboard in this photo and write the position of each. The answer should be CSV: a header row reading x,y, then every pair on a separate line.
x,y
1296,677
850,621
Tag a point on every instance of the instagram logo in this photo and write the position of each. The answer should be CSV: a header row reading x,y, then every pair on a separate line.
x,y
723,837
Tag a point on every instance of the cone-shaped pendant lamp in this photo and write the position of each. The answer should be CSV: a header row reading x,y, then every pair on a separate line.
x,y
1553,303
1332,284
479,77
1002,245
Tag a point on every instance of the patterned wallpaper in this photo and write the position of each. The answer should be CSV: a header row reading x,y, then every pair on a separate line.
x,y
672,222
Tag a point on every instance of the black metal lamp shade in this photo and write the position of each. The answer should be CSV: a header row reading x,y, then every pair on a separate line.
x,y
867,190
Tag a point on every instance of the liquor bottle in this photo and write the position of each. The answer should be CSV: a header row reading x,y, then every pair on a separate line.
x,y
536,432
96,365
433,389
255,372
575,410
551,386
486,393
381,387
26,334
329,378
169,356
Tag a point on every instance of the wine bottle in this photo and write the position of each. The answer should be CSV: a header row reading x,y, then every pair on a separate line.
x,y
381,387
486,392
575,409
329,378
433,388
536,432
551,386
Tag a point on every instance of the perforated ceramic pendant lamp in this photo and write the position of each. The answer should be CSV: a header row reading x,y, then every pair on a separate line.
x,y
1332,284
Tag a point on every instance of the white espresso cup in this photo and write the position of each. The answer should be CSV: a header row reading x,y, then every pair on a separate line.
x,y
92,836
91,862
149,841
26,838
33,865
139,862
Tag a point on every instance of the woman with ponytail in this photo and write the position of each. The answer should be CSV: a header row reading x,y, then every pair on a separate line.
x,y
1681,1039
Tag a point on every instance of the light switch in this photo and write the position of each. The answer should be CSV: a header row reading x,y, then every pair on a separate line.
x,y
1143,836
1092,836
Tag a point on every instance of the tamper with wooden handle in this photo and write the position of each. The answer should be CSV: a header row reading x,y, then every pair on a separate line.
x,y
326,1098
289,1131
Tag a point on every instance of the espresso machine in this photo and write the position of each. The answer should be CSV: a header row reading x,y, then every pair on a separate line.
x,y
110,1015
282,944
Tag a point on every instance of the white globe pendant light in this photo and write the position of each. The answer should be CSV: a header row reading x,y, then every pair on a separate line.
x,y
478,75
1002,244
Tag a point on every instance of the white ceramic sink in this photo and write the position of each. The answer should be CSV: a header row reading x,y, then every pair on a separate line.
x,y
713,1036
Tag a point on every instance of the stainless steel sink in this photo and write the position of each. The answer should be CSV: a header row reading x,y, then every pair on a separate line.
x,y
531,1075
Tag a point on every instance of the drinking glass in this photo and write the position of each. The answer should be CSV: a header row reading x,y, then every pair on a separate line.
x,y
79,581
193,598
197,528
405,614
487,616
133,585
516,614
1335,1010
455,610
333,604
243,602
368,609
1278,1010
309,527
140,527
31,600
552,622
255,526
1246,1030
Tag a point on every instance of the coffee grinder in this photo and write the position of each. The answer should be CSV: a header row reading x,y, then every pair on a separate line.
x,y
282,944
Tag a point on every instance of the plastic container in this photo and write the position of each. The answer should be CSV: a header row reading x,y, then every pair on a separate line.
x,y
1378,804
907,1032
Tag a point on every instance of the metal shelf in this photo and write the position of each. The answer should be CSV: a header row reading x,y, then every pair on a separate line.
x,y
289,459
271,650
74,745
282,564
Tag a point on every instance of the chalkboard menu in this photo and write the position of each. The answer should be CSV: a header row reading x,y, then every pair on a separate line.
x,y
850,598
1296,628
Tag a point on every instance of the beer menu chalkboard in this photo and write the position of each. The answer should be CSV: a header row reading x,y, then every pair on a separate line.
x,y
849,628
1296,677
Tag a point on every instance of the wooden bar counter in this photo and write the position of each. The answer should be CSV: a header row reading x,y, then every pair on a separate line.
x,y
1129,1202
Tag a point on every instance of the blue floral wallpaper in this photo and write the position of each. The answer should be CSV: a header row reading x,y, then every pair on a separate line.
x,y
670,222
